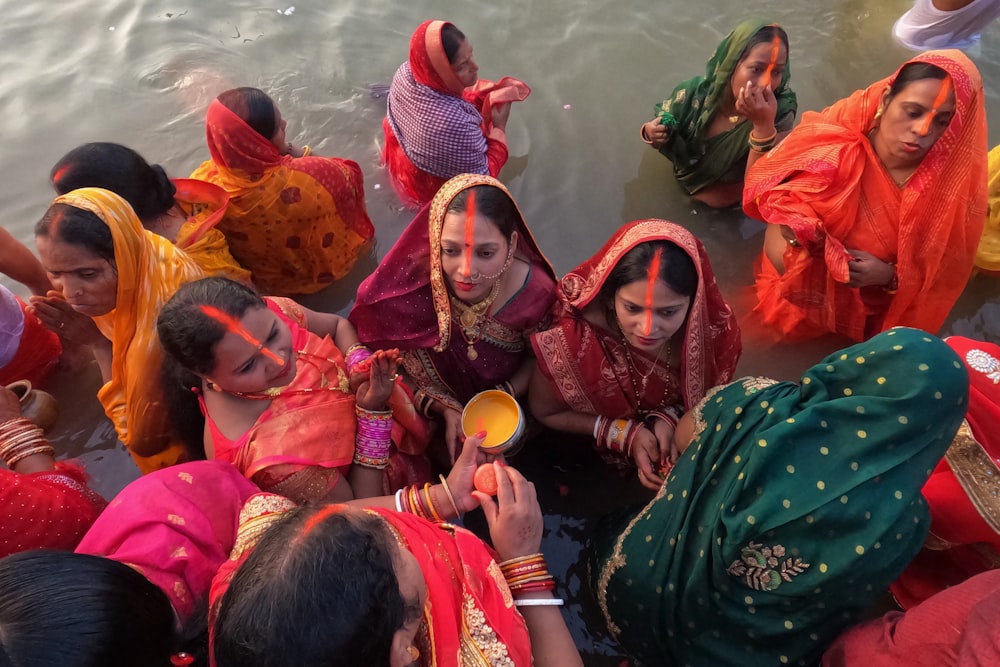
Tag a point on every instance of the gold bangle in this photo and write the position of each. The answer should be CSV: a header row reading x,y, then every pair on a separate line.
x,y
755,140
306,151
451,498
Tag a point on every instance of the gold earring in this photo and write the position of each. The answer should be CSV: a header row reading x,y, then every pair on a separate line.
x,y
878,115
414,653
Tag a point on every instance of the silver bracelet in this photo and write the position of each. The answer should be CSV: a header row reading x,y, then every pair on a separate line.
x,y
540,602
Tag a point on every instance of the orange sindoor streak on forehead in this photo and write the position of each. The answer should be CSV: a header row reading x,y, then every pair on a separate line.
x,y
234,326
470,230
941,98
775,50
652,275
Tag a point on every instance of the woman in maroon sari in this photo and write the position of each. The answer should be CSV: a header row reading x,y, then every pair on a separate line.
x,y
458,294
441,119
642,334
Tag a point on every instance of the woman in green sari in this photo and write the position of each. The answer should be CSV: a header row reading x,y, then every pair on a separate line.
x,y
794,507
714,127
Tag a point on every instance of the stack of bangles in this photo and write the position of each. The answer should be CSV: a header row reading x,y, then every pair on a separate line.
x,y
670,414
356,355
616,435
373,439
763,145
21,438
419,501
424,402
529,574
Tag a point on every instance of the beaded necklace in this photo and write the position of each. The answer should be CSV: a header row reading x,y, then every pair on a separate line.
x,y
640,390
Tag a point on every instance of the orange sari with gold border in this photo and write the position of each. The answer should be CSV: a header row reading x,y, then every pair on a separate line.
x,y
826,183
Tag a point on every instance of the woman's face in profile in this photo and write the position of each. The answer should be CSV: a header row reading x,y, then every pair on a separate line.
x,y
911,123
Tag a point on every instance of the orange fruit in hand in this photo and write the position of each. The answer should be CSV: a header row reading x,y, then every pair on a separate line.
x,y
485,479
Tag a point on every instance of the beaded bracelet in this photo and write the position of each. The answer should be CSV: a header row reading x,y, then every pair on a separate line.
x,y
20,438
373,440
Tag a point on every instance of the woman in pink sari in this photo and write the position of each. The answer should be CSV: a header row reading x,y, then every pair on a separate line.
x,y
135,593
441,119
459,293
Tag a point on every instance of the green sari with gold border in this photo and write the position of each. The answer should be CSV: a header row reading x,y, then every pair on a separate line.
x,y
794,507
688,111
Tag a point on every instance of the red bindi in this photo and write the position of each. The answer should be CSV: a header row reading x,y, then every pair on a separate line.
x,y
941,98
652,275
235,327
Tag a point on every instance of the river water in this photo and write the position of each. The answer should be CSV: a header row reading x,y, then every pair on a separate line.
x,y
141,73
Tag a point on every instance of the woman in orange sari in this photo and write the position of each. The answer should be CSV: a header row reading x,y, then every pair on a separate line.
x,y
297,221
109,271
875,205
642,333
182,210
441,119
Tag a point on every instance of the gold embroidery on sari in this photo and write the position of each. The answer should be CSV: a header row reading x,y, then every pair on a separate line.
x,y
978,474
257,515
480,644
699,421
616,561
762,568
497,576
754,384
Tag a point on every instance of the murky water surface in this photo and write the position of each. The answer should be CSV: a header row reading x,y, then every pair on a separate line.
x,y
141,72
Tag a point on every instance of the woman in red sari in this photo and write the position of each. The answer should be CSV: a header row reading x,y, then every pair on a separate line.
x,y
459,293
876,205
642,333
390,588
963,493
297,221
273,381
441,119
184,211
43,504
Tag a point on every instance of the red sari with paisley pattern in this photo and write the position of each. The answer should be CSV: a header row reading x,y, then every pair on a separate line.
x,y
587,366
298,224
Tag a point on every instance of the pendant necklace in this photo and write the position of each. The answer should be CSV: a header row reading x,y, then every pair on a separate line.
x,y
469,318
640,389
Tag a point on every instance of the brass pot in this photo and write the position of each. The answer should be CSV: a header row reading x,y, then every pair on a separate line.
x,y
37,405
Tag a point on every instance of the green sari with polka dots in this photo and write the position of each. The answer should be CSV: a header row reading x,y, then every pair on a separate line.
x,y
794,507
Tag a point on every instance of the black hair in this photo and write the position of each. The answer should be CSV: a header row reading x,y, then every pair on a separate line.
x,y
911,72
255,107
765,35
321,593
62,609
189,337
676,270
492,202
451,39
146,187
77,226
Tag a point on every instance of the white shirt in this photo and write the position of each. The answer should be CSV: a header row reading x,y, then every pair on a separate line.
x,y
926,27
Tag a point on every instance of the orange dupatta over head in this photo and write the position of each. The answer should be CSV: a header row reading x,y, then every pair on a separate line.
x,y
825,179
150,269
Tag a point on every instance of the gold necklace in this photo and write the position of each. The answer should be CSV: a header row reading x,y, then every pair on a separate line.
x,y
469,318
734,119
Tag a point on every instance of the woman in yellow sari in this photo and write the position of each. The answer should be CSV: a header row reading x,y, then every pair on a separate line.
x,y
296,220
106,268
